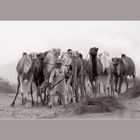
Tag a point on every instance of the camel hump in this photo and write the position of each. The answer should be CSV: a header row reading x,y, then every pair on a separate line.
x,y
128,65
24,64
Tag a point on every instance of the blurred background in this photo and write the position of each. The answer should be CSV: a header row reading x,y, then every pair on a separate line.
x,y
115,37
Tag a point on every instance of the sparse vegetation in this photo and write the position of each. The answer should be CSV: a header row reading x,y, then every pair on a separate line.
x,y
6,86
96,105
132,92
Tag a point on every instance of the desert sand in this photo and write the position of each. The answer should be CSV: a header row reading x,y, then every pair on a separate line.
x,y
19,112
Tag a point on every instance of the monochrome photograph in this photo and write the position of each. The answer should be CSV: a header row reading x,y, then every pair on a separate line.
x,y
69,70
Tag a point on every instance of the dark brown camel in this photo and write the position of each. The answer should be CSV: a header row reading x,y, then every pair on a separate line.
x,y
94,69
125,67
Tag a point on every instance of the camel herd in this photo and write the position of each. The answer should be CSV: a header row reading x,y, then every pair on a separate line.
x,y
98,69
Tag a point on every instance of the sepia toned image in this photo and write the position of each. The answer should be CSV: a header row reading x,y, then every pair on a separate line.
x,y
69,70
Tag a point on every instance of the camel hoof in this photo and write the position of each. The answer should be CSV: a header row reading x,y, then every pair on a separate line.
x,y
33,104
50,106
118,92
37,104
28,105
13,104
24,101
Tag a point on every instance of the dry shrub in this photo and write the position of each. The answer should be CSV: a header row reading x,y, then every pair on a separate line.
x,y
132,92
96,105
6,86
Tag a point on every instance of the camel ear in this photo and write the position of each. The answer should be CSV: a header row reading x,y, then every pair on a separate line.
x,y
24,53
38,55
45,53
97,49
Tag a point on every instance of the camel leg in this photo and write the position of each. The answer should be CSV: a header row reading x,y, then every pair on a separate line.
x,y
40,95
69,89
84,84
104,88
116,83
108,91
83,89
32,95
99,87
74,87
93,88
108,84
96,87
111,82
21,90
112,91
46,93
75,82
81,85
107,87
77,92
127,84
42,87
134,78
13,103
112,85
85,92
29,91
73,96
120,84
38,92
80,95
45,96
37,98
86,87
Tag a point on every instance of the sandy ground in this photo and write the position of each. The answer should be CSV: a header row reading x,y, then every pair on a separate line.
x,y
131,111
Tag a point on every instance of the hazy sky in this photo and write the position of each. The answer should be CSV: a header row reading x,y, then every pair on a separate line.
x,y
116,37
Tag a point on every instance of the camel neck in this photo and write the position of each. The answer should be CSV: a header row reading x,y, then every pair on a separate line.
x,y
94,65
